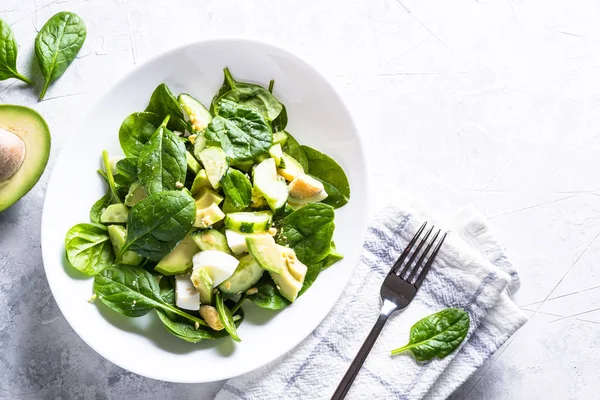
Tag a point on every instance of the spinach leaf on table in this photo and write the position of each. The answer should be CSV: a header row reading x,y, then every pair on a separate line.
x,y
156,224
88,248
324,168
241,131
308,231
237,189
133,292
226,317
294,150
8,55
164,103
268,296
162,162
136,130
57,45
437,335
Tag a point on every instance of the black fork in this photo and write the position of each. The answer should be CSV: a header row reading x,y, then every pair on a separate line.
x,y
398,290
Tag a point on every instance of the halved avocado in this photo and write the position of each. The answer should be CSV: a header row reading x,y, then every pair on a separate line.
x,y
24,151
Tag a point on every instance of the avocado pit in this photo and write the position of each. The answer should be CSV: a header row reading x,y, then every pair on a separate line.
x,y
12,154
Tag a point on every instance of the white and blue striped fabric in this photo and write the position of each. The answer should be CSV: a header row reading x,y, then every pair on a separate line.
x,y
471,272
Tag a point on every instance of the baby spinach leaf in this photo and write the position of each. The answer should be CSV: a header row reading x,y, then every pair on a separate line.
x,y
166,287
136,130
109,177
89,248
333,257
237,188
57,45
99,207
294,150
331,174
268,296
312,273
133,292
8,55
438,334
126,171
308,231
226,317
162,164
280,122
156,224
241,131
164,103
185,330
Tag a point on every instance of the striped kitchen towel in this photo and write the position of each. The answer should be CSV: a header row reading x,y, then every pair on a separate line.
x,y
471,272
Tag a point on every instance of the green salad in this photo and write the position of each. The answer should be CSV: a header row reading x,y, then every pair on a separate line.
x,y
207,209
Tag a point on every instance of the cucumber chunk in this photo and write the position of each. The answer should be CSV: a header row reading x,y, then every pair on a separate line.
x,y
276,152
115,214
194,112
203,284
192,164
246,275
249,222
215,162
211,239
270,185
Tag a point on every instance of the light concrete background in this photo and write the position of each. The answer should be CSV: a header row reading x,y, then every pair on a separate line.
x,y
492,102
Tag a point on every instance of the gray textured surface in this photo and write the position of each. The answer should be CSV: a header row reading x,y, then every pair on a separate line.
x,y
490,102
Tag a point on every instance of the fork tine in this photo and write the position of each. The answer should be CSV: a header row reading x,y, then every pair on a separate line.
x,y
416,252
423,273
423,256
400,260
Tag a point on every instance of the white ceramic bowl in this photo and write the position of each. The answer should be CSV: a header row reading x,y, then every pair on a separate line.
x,y
317,117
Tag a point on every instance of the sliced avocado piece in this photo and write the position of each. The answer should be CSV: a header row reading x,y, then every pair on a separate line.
x,y
270,185
292,168
215,163
280,138
211,239
115,214
135,194
179,260
290,281
24,151
203,284
207,197
192,164
206,217
249,222
194,112
276,152
266,252
246,275
245,166
117,234
200,182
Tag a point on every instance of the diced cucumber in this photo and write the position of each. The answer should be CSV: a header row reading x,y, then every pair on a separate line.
x,y
237,241
280,137
200,182
276,152
179,260
270,185
115,214
135,194
203,284
199,144
249,222
192,164
206,217
215,162
292,168
246,275
194,112
211,239
117,235
266,252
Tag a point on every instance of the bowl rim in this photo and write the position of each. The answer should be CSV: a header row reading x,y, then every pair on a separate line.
x,y
46,253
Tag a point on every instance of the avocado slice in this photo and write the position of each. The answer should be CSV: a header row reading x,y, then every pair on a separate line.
x,y
115,214
192,164
200,182
117,235
203,284
180,259
24,151
211,239
135,194
266,252
290,281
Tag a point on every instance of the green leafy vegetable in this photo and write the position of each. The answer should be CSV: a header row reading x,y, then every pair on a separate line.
x,y
312,273
109,178
293,149
99,207
126,171
89,248
133,291
268,296
57,45
156,224
241,131
164,103
162,164
324,168
333,257
237,188
226,317
136,130
308,231
280,122
8,55
437,335
183,329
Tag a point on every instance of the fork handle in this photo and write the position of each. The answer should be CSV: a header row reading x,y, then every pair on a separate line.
x,y
364,351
